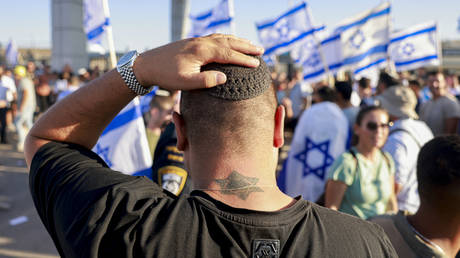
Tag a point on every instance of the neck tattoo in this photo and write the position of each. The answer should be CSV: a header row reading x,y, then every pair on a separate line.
x,y
238,184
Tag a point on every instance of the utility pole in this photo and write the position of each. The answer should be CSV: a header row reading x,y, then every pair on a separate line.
x,y
68,37
180,10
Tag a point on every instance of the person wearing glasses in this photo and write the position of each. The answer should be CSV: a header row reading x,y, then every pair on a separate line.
x,y
361,180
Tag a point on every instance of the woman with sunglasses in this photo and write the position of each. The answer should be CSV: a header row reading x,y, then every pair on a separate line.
x,y
361,180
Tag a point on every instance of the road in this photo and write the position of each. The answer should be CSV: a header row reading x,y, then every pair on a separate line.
x,y
21,232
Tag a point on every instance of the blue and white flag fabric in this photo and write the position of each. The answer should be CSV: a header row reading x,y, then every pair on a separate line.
x,y
365,39
123,144
414,47
283,33
308,55
95,20
319,138
218,19
11,54
458,24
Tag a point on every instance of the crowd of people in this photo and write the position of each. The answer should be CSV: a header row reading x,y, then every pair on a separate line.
x,y
386,154
28,91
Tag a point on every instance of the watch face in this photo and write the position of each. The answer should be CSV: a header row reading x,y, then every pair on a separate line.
x,y
127,57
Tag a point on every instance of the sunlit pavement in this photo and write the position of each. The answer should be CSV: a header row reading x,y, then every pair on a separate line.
x,y
21,232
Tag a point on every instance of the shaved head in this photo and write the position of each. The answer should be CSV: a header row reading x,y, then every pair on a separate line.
x,y
239,113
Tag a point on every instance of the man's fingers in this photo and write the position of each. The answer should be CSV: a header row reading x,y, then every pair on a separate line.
x,y
239,44
206,79
229,56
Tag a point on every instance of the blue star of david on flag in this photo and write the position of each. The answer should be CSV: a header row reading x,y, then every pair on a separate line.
x,y
104,153
283,30
313,60
322,147
408,49
357,39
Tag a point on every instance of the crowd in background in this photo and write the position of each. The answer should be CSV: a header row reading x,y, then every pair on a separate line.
x,y
371,169
28,91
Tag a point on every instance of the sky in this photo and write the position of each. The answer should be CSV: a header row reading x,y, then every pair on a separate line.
x,y
144,24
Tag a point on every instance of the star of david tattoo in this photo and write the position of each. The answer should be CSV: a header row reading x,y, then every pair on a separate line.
x,y
239,185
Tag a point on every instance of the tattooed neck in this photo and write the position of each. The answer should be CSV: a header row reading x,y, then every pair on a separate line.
x,y
239,185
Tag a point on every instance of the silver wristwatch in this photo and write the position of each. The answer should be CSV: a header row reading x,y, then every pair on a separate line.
x,y
125,68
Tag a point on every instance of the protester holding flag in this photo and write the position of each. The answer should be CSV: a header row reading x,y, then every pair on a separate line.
x,y
361,180
319,138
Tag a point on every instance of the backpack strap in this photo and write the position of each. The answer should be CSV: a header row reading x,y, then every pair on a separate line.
x,y
409,133
387,159
353,153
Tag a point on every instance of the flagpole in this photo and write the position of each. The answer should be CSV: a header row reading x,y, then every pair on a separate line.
x,y
113,57
439,45
391,68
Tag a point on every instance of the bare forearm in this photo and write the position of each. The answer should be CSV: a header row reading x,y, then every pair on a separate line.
x,y
81,117
335,190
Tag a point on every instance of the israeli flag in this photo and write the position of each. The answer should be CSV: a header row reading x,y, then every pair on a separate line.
x,y
95,21
365,39
319,138
218,19
123,144
286,31
414,47
308,55
11,53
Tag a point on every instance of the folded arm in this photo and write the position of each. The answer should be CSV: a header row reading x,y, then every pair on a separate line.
x,y
81,117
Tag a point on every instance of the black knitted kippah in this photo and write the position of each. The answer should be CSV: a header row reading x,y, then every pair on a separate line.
x,y
242,82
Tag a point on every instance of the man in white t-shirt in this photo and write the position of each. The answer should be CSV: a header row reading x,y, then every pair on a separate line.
x,y
442,113
405,139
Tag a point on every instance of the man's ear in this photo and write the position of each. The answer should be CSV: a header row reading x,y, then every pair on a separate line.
x,y
179,122
278,137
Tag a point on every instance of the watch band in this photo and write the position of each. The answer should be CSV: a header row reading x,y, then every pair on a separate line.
x,y
127,73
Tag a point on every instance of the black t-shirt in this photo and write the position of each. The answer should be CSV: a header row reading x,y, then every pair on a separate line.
x,y
92,211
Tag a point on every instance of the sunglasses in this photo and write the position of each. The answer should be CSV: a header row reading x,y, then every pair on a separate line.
x,y
372,126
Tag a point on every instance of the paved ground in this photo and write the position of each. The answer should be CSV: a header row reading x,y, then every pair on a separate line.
x,y
21,232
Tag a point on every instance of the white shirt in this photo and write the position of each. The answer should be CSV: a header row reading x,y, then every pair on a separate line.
x,y
404,149
9,84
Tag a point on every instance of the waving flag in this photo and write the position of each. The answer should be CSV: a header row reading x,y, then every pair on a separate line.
x,y
308,55
95,21
365,39
11,53
284,32
123,144
415,47
215,20
319,138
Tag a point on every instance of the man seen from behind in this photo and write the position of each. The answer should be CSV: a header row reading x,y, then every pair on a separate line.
x,y
230,136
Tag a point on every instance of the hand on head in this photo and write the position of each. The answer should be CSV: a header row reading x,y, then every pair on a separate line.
x,y
178,64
